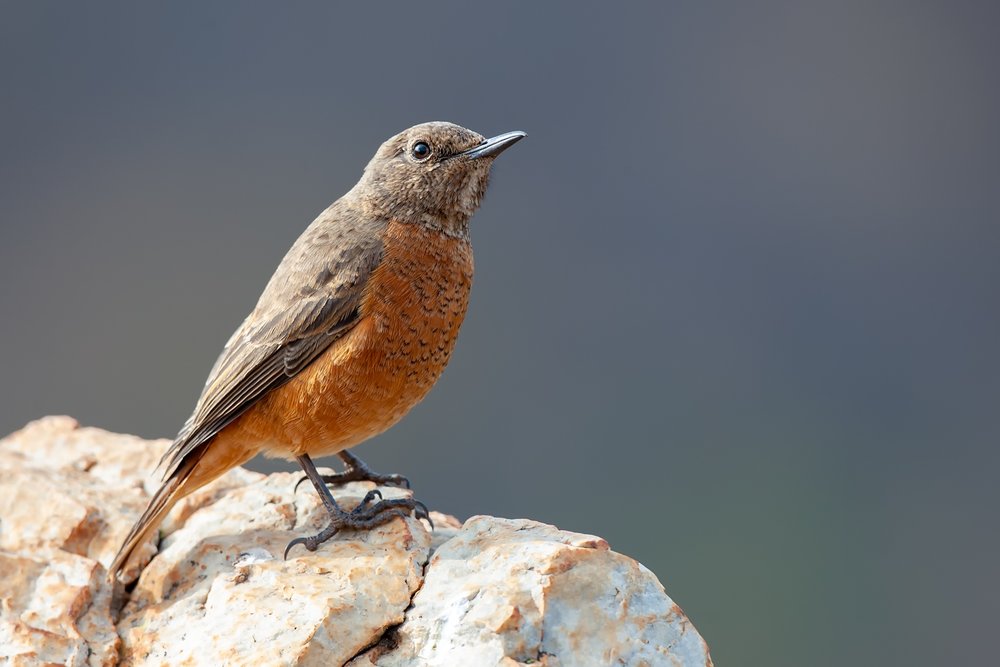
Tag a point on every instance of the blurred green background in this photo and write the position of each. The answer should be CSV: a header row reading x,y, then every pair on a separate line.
x,y
736,301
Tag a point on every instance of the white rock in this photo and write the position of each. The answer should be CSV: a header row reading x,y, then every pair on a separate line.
x,y
505,592
219,592
216,590
54,610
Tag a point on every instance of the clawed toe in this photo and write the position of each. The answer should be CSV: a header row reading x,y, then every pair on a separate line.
x,y
367,514
298,540
365,475
358,470
299,483
355,475
420,511
366,501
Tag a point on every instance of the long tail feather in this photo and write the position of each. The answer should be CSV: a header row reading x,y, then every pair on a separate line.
x,y
165,498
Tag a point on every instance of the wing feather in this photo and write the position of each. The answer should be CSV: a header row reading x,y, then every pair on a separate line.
x,y
313,299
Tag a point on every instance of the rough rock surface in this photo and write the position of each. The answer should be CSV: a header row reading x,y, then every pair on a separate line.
x,y
215,590
519,592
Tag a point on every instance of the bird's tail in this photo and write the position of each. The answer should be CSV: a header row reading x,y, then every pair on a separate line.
x,y
173,489
197,468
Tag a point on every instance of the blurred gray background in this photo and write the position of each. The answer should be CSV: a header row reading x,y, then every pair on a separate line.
x,y
736,301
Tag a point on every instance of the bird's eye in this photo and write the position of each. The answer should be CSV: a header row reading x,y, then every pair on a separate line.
x,y
420,150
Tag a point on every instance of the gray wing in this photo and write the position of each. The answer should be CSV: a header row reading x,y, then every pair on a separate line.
x,y
312,300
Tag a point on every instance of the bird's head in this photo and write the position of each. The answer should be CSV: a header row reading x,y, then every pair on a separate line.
x,y
433,174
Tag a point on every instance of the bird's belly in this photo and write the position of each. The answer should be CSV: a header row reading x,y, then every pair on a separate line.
x,y
369,379
359,390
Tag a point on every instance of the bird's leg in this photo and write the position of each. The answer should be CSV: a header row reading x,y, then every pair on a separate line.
x,y
367,514
356,470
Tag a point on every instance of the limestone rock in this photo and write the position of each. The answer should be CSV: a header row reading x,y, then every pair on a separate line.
x,y
55,479
68,495
219,592
505,592
54,610
215,590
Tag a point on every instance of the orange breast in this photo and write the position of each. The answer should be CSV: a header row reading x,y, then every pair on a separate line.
x,y
364,383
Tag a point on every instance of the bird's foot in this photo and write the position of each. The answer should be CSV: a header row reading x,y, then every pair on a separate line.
x,y
367,514
365,474
356,470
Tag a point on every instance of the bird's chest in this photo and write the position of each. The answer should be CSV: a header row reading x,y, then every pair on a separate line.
x,y
413,305
410,314
417,299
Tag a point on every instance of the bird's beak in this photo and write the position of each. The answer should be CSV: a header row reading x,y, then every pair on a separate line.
x,y
495,146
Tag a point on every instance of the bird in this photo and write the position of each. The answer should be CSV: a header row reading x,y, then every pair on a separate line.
x,y
353,329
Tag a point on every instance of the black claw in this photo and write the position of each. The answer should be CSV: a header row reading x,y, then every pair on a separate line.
x,y
420,511
297,540
298,484
369,497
